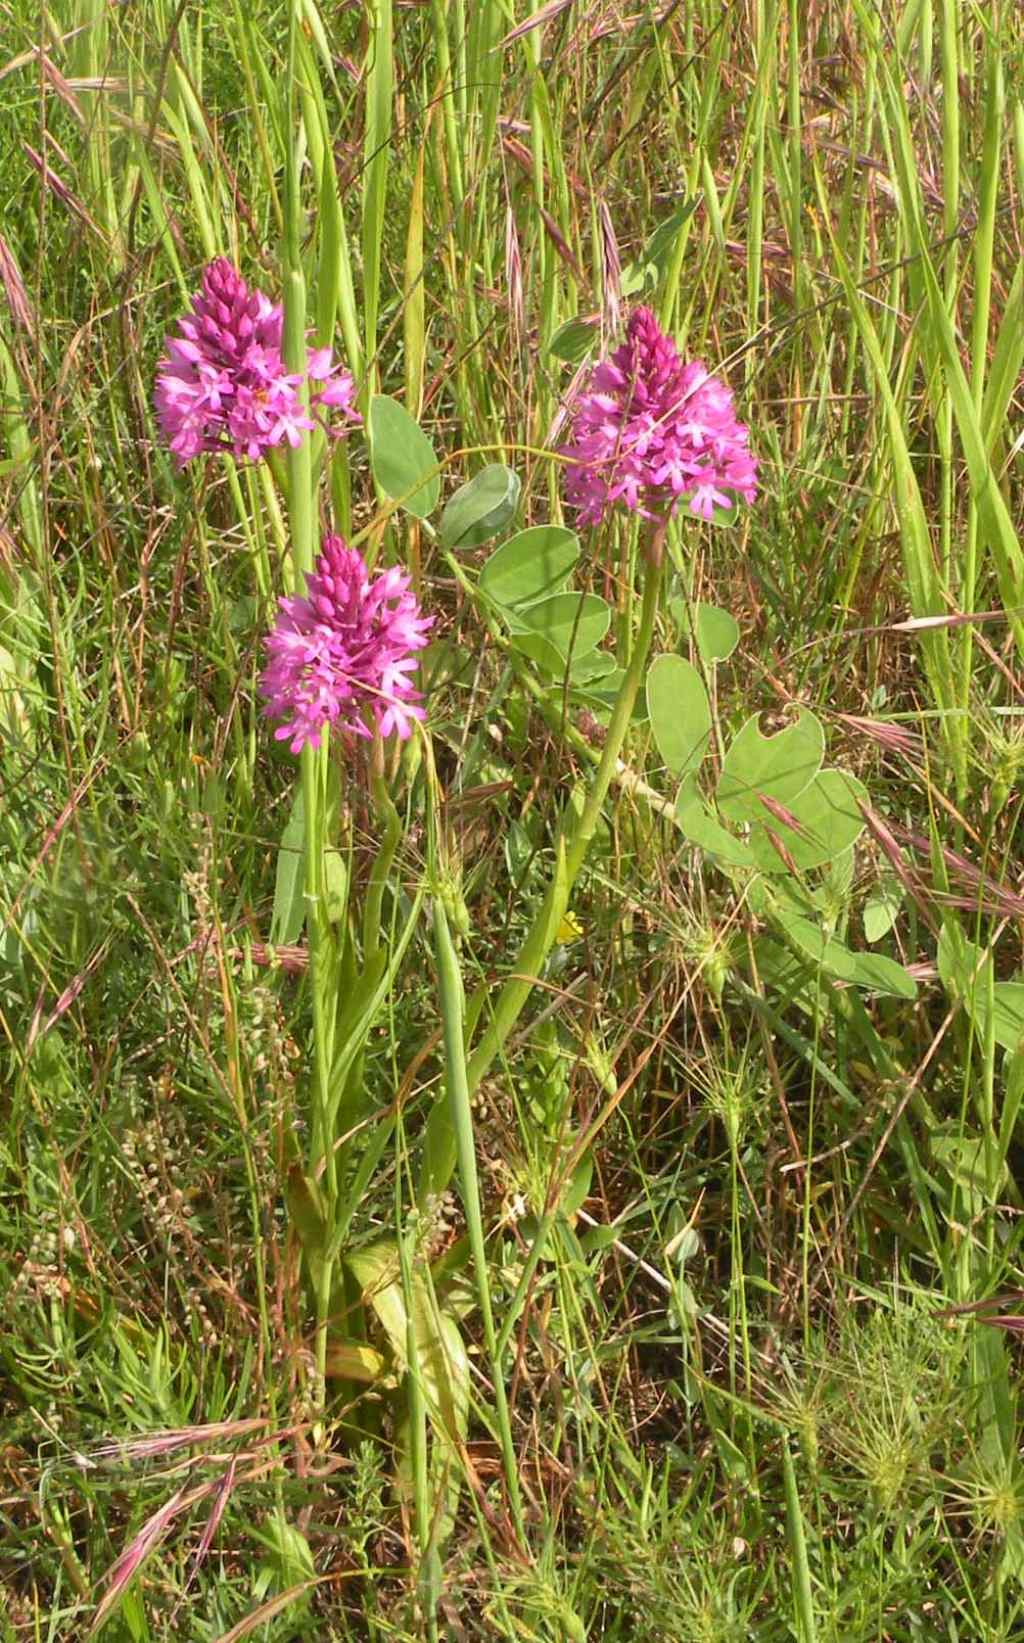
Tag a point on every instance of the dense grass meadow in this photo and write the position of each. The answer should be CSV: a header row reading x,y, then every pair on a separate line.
x,y
556,1174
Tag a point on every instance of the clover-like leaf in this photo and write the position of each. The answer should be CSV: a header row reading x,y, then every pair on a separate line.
x,y
680,713
403,460
777,767
480,508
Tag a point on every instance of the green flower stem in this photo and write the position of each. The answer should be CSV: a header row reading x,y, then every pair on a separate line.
x,y
459,1099
575,842
417,1407
302,520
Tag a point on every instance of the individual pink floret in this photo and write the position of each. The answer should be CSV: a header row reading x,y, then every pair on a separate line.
x,y
222,384
653,433
341,656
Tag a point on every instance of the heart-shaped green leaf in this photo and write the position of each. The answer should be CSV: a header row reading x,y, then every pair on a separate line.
x,y
402,457
532,565
778,767
480,508
828,820
680,713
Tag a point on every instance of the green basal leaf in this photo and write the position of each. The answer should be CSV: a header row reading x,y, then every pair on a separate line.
x,y
402,458
577,1188
973,1165
441,1357
289,914
1008,1004
335,886
306,1210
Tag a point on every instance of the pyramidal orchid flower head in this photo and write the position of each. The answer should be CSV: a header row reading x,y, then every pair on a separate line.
x,y
652,433
341,656
222,384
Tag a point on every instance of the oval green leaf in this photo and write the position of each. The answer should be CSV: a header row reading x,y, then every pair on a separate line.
x,y
695,820
881,909
821,949
717,632
1008,998
883,975
532,565
480,508
574,623
574,340
402,457
596,668
680,713
778,767
289,914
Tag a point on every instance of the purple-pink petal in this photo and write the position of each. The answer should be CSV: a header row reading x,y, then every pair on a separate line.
x,y
222,383
340,655
654,433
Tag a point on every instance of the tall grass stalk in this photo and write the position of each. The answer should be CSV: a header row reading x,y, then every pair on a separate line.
x,y
380,83
452,1003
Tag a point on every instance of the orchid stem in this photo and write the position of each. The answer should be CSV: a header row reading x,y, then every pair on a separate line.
x,y
576,839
